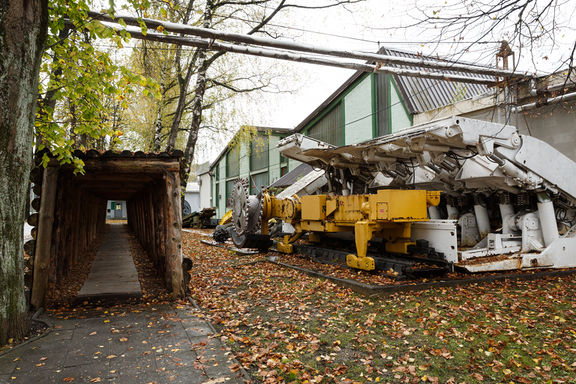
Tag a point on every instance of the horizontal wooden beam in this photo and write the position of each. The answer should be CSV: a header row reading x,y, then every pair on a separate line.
x,y
142,166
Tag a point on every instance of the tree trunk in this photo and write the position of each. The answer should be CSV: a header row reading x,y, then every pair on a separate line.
x,y
196,119
23,29
199,54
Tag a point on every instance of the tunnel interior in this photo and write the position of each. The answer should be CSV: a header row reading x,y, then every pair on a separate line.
x,y
72,214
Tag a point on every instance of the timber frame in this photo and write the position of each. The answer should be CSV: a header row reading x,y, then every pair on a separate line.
x,y
71,213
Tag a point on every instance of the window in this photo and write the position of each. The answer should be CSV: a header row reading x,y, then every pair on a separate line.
x,y
233,162
330,127
229,187
382,103
259,153
258,181
283,170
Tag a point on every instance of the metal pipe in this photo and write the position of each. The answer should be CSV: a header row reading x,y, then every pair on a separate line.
x,y
288,56
552,100
275,43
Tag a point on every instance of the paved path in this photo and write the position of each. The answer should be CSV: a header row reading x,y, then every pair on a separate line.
x,y
160,345
113,273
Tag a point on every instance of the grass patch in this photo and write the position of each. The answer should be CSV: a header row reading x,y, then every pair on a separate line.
x,y
286,326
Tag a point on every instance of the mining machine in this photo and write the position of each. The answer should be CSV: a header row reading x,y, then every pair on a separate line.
x,y
481,194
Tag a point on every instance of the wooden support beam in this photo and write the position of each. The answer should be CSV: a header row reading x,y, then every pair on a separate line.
x,y
136,165
44,241
174,234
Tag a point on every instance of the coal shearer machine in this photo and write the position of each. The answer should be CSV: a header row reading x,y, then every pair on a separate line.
x,y
507,202
509,197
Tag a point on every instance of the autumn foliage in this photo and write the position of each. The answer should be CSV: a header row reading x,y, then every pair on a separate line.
x,y
285,326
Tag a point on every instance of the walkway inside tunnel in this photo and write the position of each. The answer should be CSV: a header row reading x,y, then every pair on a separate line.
x,y
113,273
70,224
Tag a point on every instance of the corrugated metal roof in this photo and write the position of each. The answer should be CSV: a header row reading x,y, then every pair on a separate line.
x,y
422,95
292,176
272,130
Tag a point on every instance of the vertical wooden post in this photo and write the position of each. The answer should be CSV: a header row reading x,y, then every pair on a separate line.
x,y
44,242
174,234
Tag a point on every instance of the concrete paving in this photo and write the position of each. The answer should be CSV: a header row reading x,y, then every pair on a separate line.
x,y
162,344
113,273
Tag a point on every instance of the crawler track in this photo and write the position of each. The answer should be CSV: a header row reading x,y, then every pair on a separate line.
x,y
369,289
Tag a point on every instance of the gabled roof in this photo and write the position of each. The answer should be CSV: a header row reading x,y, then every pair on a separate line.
x,y
418,94
422,94
203,168
272,130
292,176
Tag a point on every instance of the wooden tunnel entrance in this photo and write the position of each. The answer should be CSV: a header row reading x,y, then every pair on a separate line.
x,y
72,213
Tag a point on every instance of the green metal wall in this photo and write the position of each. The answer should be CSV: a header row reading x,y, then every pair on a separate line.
x,y
330,128
253,164
358,112
369,108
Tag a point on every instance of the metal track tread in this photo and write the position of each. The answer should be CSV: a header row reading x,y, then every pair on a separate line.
x,y
369,289
403,265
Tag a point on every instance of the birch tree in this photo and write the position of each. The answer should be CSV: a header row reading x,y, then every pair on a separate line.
x,y
196,73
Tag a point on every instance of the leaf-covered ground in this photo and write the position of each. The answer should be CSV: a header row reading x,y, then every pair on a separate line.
x,y
285,326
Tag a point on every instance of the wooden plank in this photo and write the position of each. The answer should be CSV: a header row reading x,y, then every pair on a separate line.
x,y
240,251
44,241
113,272
174,235
139,166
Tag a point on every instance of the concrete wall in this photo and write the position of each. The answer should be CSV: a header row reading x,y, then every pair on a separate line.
x,y
555,124
193,198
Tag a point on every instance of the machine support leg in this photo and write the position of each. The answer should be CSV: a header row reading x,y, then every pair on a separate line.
x,y
434,213
481,213
547,218
363,234
452,212
452,209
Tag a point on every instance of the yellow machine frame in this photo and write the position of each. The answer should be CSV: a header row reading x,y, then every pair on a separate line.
x,y
388,214
227,218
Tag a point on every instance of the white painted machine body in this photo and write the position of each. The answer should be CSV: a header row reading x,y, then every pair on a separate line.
x,y
510,198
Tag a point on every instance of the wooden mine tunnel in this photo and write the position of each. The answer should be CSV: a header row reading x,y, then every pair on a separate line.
x,y
71,214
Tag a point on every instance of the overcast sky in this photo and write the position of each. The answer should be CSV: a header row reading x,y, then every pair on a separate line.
x,y
378,22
